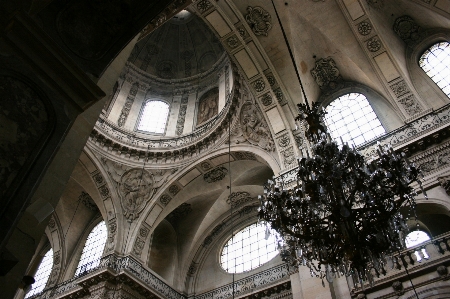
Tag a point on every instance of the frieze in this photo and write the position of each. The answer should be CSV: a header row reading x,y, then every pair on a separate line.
x,y
245,156
215,175
259,20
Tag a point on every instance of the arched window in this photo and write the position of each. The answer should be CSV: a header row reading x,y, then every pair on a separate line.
x,y
154,117
351,118
436,63
415,238
42,274
93,248
248,249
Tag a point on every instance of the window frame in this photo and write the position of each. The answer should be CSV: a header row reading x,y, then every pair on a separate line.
x,y
389,117
421,51
37,263
141,112
227,237
82,243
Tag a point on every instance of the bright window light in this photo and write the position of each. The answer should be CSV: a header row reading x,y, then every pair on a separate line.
x,y
436,63
42,274
154,117
248,249
351,118
93,248
415,238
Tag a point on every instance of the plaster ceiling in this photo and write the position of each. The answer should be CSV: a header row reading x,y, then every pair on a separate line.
x,y
181,48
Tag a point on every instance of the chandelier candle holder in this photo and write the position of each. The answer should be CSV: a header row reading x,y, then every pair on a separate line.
x,y
343,217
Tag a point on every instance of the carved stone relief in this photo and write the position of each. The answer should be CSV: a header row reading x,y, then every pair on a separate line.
x,y
400,88
87,201
227,81
325,73
112,230
182,115
284,141
237,198
174,189
208,106
374,44
279,95
242,32
233,42
271,79
216,230
128,103
288,157
203,5
259,20
245,156
205,166
410,105
179,213
266,99
259,85
23,122
165,199
364,28
138,246
215,175
445,183
192,268
408,30
253,128
135,186
52,223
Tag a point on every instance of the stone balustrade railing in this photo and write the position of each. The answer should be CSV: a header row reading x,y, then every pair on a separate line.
x,y
399,138
421,258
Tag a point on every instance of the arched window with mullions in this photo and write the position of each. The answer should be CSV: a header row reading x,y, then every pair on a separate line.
x,y
93,249
154,117
42,274
435,61
351,118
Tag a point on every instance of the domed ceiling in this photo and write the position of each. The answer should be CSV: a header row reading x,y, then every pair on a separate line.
x,y
183,47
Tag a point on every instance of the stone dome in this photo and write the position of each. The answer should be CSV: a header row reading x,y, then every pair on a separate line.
x,y
183,47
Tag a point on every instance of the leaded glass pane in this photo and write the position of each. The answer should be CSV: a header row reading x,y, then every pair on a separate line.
x,y
249,249
42,274
436,63
351,118
154,117
93,249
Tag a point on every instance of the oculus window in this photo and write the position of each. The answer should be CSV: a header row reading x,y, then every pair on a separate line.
x,y
415,238
436,63
248,249
154,117
93,248
351,118
42,274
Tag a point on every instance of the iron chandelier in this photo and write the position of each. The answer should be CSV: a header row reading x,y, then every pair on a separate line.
x,y
343,217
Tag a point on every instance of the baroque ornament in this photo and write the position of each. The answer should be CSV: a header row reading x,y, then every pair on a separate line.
x,y
399,88
215,175
259,85
408,30
410,105
135,189
364,28
374,44
233,42
165,199
259,20
204,5
325,73
266,99
128,103
237,198
254,128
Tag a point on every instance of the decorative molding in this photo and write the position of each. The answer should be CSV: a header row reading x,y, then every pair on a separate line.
x,y
259,20
182,115
245,156
288,157
374,44
284,141
266,99
165,199
238,198
326,74
215,175
408,30
259,85
203,5
365,27
127,106
88,202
